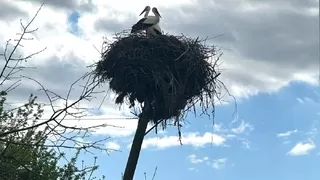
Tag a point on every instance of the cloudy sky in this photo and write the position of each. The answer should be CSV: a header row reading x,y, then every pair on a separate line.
x,y
270,63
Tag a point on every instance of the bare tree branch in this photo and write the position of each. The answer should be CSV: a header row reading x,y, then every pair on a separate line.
x,y
17,123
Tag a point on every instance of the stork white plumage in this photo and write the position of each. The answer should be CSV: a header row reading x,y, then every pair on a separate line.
x,y
148,23
146,10
155,29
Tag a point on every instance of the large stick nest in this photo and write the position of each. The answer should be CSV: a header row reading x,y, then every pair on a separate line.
x,y
170,73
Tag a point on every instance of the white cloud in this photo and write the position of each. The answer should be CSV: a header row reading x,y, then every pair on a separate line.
x,y
286,142
61,43
301,149
305,100
236,132
215,163
219,163
112,145
242,128
220,128
195,160
313,132
55,34
286,134
113,122
300,100
137,6
193,169
193,139
245,144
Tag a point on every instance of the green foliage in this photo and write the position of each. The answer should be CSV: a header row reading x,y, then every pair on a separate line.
x,y
23,152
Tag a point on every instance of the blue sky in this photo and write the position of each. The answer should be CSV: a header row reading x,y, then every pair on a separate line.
x,y
73,19
293,108
270,63
274,137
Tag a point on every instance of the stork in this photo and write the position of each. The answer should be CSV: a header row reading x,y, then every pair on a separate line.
x,y
155,29
146,10
148,23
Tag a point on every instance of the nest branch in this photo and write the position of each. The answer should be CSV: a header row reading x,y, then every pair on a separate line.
x,y
169,75
174,73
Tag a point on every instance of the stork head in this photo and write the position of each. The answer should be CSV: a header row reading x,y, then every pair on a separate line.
x,y
147,8
156,12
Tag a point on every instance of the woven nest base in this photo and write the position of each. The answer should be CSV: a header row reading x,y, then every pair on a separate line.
x,y
167,72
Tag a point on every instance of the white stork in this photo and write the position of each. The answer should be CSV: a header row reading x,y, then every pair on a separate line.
x,y
146,10
155,29
148,23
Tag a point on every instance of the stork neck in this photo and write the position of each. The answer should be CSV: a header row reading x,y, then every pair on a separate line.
x,y
147,13
157,19
157,16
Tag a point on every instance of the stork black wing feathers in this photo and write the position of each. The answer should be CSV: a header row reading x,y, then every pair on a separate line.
x,y
140,25
157,31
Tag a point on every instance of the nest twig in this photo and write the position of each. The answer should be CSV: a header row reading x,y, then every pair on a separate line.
x,y
172,73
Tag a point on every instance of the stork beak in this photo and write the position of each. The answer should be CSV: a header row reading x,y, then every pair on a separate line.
x,y
156,11
143,11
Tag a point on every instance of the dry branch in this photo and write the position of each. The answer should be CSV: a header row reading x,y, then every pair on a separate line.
x,y
171,72
19,126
